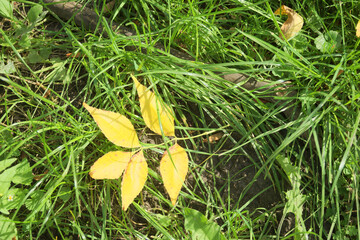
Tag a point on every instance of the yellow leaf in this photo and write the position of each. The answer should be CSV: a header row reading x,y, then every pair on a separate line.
x,y
134,179
292,25
358,29
111,165
173,169
116,127
152,109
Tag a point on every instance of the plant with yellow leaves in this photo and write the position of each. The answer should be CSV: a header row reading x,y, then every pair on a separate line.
x,y
120,131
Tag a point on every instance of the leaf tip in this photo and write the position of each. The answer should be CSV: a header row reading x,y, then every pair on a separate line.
x,y
85,105
135,80
173,201
125,207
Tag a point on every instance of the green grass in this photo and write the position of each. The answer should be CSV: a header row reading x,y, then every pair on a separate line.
x,y
44,127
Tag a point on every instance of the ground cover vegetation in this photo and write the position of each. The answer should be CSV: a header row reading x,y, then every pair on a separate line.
x,y
272,153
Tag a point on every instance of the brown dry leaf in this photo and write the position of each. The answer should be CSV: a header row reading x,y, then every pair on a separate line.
x,y
173,169
292,25
358,29
111,165
215,137
134,179
74,56
40,176
116,127
339,73
157,116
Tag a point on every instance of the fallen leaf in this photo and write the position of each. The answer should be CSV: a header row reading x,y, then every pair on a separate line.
x,y
339,73
157,116
292,25
358,29
134,179
111,165
74,55
40,176
215,137
116,127
173,169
